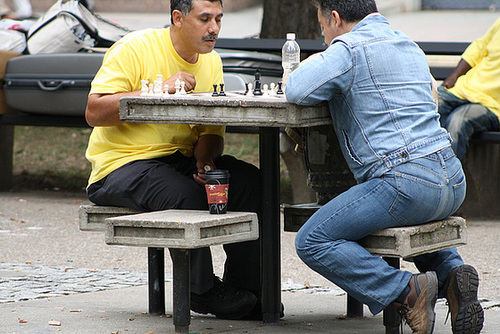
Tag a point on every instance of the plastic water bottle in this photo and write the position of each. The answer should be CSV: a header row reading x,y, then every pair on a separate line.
x,y
290,56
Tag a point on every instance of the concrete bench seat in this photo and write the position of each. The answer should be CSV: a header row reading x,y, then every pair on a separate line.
x,y
392,244
179,231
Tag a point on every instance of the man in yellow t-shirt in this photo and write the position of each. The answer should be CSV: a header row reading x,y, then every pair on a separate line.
x,y
469,100
152,167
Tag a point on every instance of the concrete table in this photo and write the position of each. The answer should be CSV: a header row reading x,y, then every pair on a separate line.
x,y
266,113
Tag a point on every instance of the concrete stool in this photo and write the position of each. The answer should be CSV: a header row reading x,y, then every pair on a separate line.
x,y
92,218
392,244
180,231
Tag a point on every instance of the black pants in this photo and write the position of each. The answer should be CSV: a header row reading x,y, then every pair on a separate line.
x,y
167,183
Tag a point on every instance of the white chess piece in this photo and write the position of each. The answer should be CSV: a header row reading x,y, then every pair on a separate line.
x,y
250,89
158,90
272,88
144,87
151,90
165,92
177,87
158,85
265,89
183,88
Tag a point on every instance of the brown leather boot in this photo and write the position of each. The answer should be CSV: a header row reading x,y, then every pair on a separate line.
x,y
418,307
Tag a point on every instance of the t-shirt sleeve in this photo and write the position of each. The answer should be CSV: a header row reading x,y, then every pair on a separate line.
x,y
118,71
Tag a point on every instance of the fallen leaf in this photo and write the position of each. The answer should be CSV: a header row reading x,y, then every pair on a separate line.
x,y
54,323
75,310
22,321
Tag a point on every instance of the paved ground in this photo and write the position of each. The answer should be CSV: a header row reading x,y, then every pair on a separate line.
x,y
49,270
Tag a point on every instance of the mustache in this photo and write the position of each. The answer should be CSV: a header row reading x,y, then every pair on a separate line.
x,y
211,36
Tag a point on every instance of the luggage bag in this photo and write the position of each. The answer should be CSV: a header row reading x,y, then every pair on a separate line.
x,y
52,84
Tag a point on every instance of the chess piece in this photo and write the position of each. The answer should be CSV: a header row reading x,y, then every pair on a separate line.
x,y
272,88
183,88
215,93
165,92
265,89
257,89
177,87
157,88
222,92
246,88
151,90
144,87
280,89
250,89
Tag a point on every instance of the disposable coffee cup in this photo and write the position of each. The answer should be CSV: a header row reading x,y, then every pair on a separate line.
x,y
217,186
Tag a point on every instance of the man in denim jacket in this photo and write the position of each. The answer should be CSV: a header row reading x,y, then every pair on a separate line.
x,y
379,91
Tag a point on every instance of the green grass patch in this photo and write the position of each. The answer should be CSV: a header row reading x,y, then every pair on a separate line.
x,y
53,158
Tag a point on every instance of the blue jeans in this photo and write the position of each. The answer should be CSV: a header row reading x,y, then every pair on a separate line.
x,y
462,119
416,192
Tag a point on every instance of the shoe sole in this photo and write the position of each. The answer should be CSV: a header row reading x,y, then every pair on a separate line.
x,y
470,316
431,297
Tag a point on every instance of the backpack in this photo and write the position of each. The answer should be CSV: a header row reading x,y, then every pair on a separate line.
x,y
69,27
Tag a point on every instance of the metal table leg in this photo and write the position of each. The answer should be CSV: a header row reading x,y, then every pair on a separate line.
x,y
270,224
391,317
181,289
156,280
354,308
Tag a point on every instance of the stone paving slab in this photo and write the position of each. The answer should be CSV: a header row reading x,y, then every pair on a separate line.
x,y
20,282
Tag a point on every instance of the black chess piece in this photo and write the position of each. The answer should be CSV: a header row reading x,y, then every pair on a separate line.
x,y
215,93
257,87
222,92
280,88
246,88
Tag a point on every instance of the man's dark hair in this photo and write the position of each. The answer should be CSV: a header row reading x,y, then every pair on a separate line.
x,y
349,10
184,6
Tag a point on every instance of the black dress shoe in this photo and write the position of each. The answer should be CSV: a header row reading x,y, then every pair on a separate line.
x,y
224,301
256,313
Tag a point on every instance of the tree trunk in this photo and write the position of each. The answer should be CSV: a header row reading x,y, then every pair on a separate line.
x,y
284,16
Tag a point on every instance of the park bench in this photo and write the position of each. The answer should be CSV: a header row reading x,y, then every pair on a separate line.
x,y
178,230
483,156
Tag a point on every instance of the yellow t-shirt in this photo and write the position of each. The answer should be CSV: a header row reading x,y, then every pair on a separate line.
x,y
481,84
140,56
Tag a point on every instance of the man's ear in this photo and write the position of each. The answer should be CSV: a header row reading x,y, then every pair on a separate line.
x,y
336,20
177,17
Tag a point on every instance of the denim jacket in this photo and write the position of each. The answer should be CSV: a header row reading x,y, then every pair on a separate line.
x,y
379,91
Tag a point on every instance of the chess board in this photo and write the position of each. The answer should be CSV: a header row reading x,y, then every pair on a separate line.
x,y
234,109
231,95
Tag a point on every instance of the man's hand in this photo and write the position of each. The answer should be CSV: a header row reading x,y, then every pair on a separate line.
x,y
203,167
188,78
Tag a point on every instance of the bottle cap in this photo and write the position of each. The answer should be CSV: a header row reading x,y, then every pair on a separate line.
x,y
290,35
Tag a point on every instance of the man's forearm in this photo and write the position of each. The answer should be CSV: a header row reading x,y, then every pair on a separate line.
x,y
462,68
104,109
208,148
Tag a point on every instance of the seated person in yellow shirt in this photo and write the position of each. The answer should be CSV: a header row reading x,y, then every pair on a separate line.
x,y
469,100
152,167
